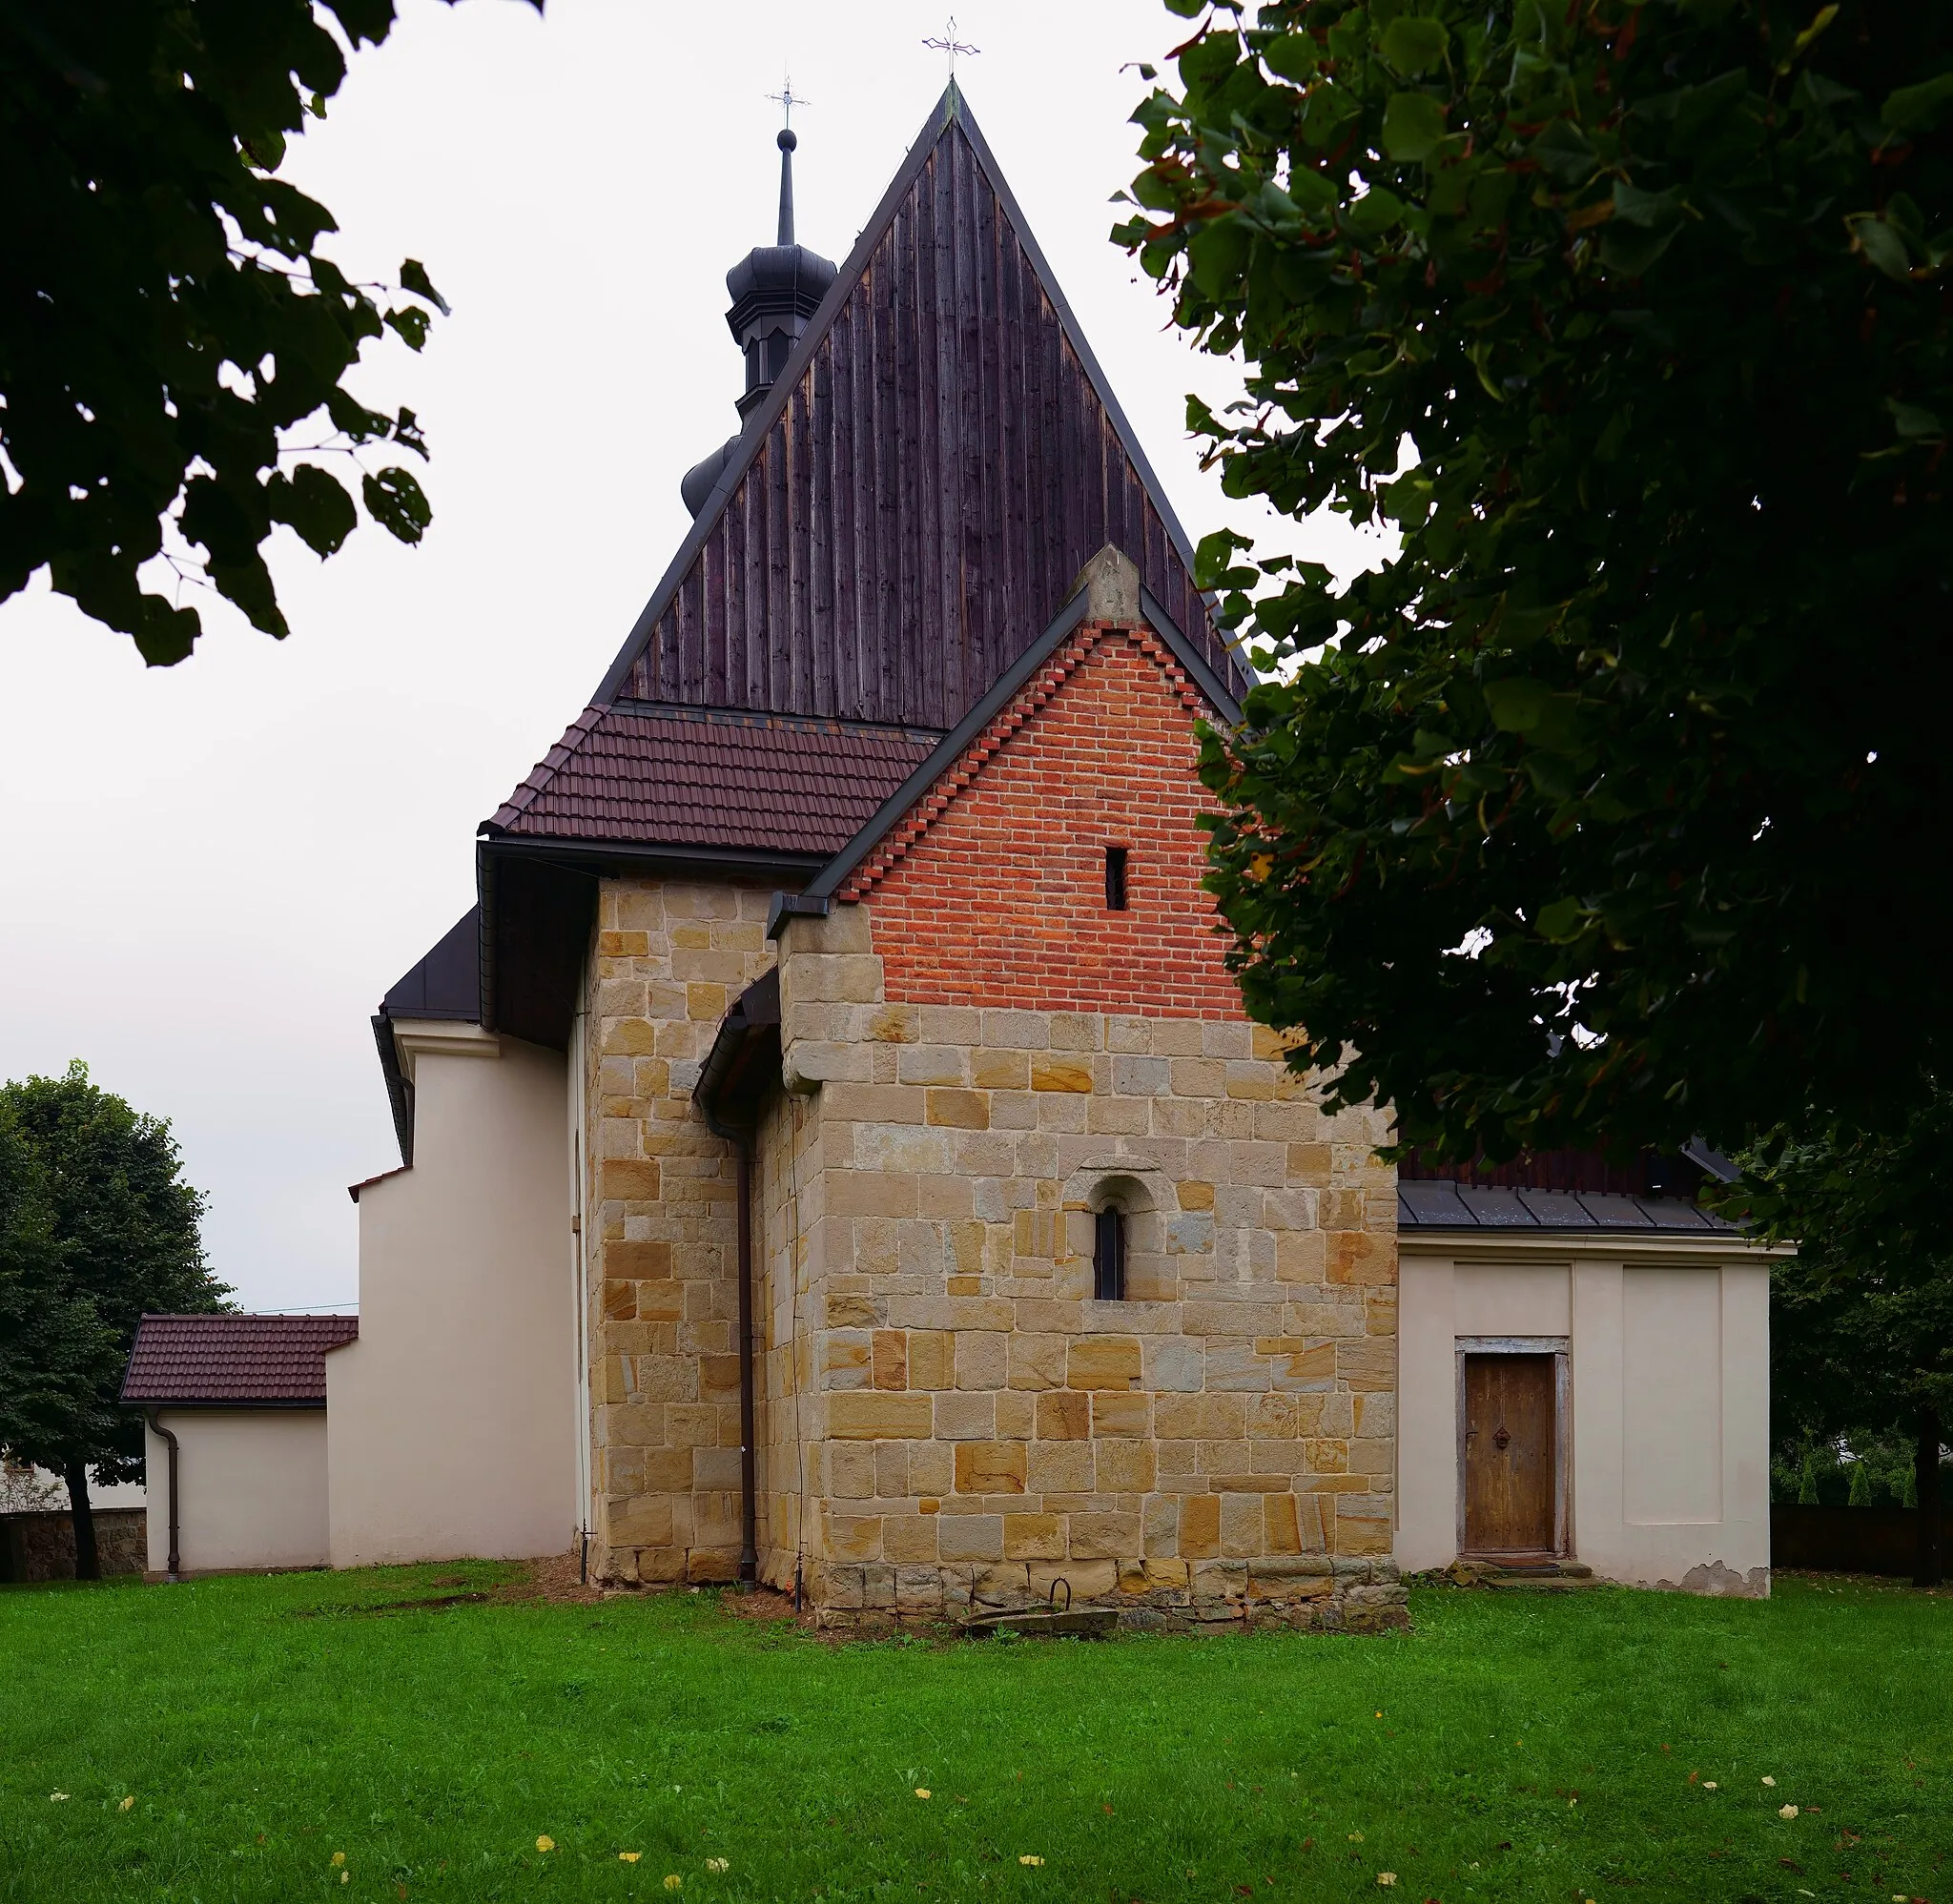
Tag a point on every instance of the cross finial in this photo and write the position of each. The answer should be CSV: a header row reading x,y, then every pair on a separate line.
x,y
951,46
787,100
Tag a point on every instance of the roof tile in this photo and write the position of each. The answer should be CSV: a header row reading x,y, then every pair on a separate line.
x,y
234,1361
661,776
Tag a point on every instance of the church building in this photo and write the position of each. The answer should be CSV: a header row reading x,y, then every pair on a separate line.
x,y
834,1153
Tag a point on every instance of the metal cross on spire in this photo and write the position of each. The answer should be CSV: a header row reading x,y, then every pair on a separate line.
x,y
951,46
787,99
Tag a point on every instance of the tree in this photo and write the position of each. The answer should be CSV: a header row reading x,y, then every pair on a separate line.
x,y
55,1354
96,1228
167,315
1599,814
1861,1341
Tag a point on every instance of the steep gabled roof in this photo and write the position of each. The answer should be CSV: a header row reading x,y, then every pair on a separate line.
x,y
935,464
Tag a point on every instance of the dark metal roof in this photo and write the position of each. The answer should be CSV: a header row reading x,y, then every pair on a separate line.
x,y
937,462
233,1362
445,984
677,776
1455,1206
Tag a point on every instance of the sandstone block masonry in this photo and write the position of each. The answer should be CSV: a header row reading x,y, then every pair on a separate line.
x,y
669,959
1218,1448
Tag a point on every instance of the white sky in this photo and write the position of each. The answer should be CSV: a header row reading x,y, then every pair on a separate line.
x,y
214,872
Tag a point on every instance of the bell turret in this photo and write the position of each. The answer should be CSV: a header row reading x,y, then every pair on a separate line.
x,y
775,291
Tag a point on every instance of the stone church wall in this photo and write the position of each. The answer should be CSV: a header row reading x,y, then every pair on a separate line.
x,y
992,1053
671,956
1219,1446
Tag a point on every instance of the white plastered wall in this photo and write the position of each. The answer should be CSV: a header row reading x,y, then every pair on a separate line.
x,y
1669,1378
451,1421
251,1489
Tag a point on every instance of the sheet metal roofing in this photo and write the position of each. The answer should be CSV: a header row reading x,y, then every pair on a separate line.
x,y
649,775
233,1362
1456,1206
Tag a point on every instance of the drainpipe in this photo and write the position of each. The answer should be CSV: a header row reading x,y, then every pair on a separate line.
x,y
741,1140
722,1064
154,1417
748,1482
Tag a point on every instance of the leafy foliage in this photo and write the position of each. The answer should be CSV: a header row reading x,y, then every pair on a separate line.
x,y
55,1353
167,315
96,1227
1599,814
1861,1334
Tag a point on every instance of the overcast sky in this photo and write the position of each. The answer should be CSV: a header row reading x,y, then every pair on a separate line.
x,y
214,872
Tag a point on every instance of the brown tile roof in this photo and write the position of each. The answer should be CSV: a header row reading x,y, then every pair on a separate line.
x,y
662,776
234,1361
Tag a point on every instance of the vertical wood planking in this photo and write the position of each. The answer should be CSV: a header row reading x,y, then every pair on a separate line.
x,y
936,479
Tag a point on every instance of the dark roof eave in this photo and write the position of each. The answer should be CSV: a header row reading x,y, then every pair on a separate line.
x,y
147,1401
647,855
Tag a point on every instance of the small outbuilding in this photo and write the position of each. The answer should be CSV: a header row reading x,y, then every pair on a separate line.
x,y
235,1443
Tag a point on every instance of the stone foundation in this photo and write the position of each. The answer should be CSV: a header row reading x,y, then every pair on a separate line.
x,y
1312,1593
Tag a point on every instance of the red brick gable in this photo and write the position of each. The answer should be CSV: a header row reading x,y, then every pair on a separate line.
x,y
991,891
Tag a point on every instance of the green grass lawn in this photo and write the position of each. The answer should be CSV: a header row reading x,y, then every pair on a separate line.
x,y
1512,1747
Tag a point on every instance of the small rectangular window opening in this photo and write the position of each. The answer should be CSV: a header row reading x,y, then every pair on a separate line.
x,y
1115,879
1108,1257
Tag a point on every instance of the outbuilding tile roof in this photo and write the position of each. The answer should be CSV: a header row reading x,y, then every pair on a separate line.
x,y
1444,1205
234,1361
650,775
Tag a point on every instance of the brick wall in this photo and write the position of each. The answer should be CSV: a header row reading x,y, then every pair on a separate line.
x,y
994,894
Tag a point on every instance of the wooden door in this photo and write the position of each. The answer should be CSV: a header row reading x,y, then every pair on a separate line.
x,y
1511,1420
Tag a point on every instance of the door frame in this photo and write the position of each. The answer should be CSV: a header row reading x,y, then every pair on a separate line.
x,y
1556,1346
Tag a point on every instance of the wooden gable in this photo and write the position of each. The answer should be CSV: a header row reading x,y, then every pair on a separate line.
x,y
936,464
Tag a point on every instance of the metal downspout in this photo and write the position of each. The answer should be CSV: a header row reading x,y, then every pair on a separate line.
x,y
155,1418
748,1481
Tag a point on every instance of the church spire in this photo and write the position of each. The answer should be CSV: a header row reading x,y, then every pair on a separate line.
x,y
786,142
776,290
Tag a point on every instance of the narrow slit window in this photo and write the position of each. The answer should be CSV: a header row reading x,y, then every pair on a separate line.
x,y
1108,1257
1115,879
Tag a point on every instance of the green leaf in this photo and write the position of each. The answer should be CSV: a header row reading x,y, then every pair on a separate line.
x,y
314,504
1652,209
1218,254
1881,244
396,503
1518,706
1918,109
166,635
411,322
414,277
1376,210
1563,150
1914,422
1632,249
1415,45
1414,126
1561,920
1824,17
1292,56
